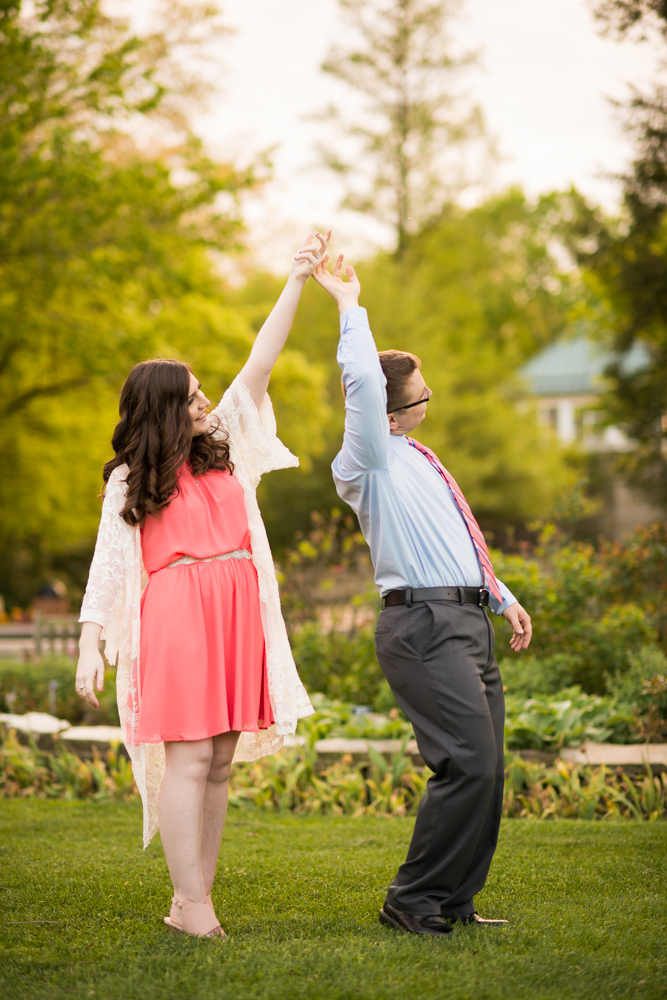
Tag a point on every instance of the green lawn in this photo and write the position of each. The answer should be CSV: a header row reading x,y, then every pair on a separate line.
x,y
299,899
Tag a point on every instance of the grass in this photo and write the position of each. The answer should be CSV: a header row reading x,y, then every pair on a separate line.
x,y
299,898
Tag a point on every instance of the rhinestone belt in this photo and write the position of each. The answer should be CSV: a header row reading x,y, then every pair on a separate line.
x,y
184,560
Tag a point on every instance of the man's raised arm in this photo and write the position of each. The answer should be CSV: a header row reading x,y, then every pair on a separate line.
x,y
366,424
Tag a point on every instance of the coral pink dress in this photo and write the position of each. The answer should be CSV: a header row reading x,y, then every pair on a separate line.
x,y
202,659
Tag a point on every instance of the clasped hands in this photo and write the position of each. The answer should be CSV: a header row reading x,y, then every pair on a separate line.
x,y
309,256
311,261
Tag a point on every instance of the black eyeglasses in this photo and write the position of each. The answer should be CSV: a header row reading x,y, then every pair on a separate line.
x,y
410,405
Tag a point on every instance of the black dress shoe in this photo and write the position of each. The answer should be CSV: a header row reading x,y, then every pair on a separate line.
x,y
474,918
414,923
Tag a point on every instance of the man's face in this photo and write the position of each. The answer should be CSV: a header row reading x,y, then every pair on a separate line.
x,y
405,420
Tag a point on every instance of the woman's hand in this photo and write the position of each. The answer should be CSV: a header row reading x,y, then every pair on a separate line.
x,y
309,256
91,665
270,340
346,293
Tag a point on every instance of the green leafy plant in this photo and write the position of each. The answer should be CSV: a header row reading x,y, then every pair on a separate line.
x,y
48,685
290,782
585,607
26,771
534,791
565,720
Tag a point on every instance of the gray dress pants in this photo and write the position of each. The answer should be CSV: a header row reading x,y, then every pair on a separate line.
x,y
438,659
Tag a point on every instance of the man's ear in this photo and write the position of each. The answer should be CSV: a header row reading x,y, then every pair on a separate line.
x,y
393,422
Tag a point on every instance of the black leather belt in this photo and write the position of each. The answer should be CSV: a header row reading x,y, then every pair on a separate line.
x,y
462,595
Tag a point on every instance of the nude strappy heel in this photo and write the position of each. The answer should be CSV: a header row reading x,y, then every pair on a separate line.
x,y
196,919
174,918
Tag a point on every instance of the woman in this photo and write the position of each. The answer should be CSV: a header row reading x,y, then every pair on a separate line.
x,y
182,584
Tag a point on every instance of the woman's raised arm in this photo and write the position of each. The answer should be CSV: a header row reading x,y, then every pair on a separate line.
x,y
270,340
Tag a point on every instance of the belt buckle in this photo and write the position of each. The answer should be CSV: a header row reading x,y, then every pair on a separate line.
x,y
481,602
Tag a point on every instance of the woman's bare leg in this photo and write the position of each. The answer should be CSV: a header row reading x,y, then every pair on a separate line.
x,y
181,814
216,796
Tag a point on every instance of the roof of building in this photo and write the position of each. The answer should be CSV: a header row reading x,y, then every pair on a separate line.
x,y
575,366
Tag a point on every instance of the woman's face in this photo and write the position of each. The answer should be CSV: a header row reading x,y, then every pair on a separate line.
x,y
197,405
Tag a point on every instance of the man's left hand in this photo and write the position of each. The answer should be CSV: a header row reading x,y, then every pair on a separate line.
x,y
522,629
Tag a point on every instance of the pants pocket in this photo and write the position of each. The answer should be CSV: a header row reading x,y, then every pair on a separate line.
x,y
383,626
416,628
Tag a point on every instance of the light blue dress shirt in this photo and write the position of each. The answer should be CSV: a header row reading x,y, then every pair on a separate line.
x,y
415,531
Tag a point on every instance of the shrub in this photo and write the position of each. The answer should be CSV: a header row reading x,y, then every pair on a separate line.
x,y
309,571
586,614
343,719
526,676
341,664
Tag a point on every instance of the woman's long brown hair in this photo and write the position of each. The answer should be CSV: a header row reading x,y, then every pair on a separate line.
x,y
154,438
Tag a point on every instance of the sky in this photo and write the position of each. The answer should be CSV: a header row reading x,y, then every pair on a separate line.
x,y
544,83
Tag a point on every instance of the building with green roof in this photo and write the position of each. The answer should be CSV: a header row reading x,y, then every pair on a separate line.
x,y
568,381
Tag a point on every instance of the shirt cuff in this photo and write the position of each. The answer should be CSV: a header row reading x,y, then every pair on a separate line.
x,y
354,317
498,607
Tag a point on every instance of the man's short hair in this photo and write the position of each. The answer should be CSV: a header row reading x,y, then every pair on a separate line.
x,y
398,366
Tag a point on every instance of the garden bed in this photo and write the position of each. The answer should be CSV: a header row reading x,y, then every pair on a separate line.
x,y
295,781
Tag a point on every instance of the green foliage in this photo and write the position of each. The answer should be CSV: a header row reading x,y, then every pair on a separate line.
x,y
48,686
565,720
528,676
588,631
598,617
582,603
342,719
309,571
26,772
93,230
475,295
624,258
639,567
533,791
290,782
339,663
105,259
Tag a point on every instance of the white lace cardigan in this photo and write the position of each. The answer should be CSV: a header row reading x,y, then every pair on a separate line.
x,y
117,578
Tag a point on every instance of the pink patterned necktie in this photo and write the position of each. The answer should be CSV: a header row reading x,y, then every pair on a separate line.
x,y
476,535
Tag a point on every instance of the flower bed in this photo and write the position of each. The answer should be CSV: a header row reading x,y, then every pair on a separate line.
x,y
291,782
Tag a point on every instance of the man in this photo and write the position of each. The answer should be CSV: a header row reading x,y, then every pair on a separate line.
x,y
434,640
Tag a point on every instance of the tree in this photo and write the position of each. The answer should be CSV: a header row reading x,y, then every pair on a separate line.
x,y
474,296
626,261
624,15
105,259
484,293
84,213
415,123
